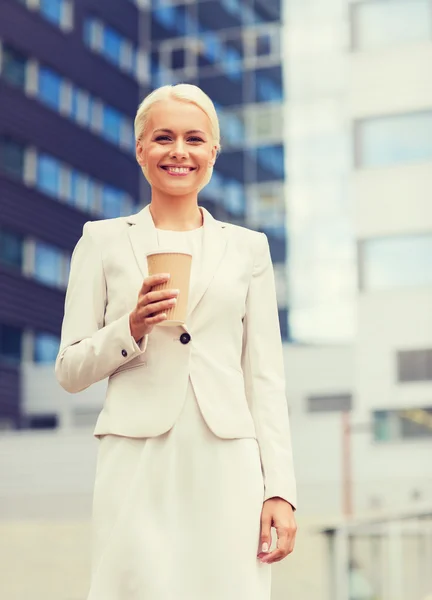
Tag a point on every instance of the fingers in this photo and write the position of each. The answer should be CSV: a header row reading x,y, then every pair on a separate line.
x,y
265,536
285,545
159,296
149,310
152,280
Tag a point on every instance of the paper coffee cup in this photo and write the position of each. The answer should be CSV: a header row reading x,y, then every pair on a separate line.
x,y
178,265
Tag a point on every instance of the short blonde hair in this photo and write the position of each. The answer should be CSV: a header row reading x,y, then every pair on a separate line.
x,y
185,92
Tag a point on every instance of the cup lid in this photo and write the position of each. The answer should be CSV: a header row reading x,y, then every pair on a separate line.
x,y
168,251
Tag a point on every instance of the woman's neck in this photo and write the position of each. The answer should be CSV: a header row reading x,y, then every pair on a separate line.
x,y
176,214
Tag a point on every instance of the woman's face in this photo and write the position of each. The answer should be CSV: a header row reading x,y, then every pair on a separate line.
x,y
176,147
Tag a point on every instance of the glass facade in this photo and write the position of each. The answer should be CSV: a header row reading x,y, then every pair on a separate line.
x,y
112,45
406,21
404,424
11,249
45,347
64,97
394,140
394,262
10,343
231,49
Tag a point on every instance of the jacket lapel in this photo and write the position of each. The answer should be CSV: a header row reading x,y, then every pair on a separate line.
x,y
213,249
143,239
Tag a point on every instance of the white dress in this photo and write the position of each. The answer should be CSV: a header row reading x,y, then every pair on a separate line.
x,y
177,516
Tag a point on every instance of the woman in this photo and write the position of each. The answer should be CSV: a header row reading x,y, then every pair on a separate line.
x,y
194,459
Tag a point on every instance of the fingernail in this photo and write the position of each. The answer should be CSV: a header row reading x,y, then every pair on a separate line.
x,y
176,292
264,547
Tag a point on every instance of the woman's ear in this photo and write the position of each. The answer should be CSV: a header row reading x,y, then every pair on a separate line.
x,y
140,154
215,152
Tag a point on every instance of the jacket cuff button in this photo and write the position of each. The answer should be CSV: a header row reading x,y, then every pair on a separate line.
x,y
124,353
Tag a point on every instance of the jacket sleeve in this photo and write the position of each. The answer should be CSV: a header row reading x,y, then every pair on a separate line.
x,y
263,369
90,350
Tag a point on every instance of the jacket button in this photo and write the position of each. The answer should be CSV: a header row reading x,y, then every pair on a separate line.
x,y
185,338
124,353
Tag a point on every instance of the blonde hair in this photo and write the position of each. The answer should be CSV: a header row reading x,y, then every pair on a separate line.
x,y
185,92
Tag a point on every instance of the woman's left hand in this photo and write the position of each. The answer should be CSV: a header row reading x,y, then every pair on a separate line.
x,y
278,513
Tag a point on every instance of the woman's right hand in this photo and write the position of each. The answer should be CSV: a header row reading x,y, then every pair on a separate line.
x,y
151,306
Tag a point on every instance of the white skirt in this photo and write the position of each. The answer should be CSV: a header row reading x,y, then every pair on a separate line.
x,y
177,517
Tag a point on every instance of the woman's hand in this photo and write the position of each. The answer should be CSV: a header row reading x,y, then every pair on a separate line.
x,y
278,513
150,307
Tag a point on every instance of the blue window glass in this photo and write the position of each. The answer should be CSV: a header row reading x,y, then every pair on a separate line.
x,y
10,343
112,45
11,157
14,67
215,188
395,139
232,63
268,90
83,193
113,202
405,22
89,31
46,347
52,10
272,159
49,87
399,261
48,264
48,175
11,249
232,6
165,15
111,124
234,197
213,47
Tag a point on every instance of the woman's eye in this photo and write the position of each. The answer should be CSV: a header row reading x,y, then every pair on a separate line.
x,y
162,137
195,139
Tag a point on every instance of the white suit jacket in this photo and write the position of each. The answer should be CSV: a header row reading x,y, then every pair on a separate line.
x,y
234,357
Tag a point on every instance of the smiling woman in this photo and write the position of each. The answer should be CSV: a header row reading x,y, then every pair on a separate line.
x,y
194,459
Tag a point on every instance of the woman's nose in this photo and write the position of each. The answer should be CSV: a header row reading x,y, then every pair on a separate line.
x,y
179,149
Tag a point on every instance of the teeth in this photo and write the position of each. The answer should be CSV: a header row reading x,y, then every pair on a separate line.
x,y
178,169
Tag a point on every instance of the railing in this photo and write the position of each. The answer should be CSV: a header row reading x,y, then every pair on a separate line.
x,y
384,558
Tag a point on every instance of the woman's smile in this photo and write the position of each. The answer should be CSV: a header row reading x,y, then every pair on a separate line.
x,y
176,171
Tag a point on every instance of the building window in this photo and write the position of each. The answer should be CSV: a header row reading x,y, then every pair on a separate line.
x,y
48,175
111,124
115,202
13,67
10,343
42,421
268,85
50,265
113,46
271,158
380,23
266,206
264,123
12,157
414,365
394,140
232,128
46,347
234,198
11,249
404,424
329,403
49,88
396,261
52,10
